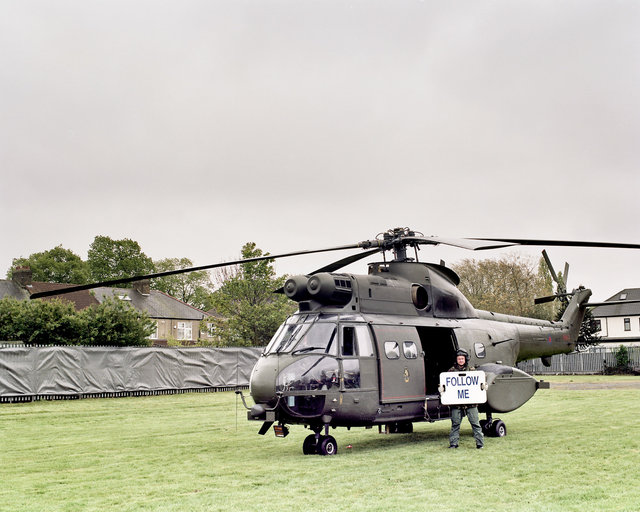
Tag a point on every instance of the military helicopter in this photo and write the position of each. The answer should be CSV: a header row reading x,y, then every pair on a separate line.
x,y
368,350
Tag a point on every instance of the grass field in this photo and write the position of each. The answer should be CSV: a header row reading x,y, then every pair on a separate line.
x,y
566,450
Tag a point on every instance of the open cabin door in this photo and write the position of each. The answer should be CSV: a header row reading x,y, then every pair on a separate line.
x,y
439,346
401,363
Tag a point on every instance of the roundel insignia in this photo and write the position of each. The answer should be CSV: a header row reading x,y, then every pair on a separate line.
x,y
406,374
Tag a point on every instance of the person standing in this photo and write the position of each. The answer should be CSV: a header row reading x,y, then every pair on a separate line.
x,y
459,411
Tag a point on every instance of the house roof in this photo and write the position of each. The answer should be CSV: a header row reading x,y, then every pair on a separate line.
x,y
81,300
157,304
11,289
631,309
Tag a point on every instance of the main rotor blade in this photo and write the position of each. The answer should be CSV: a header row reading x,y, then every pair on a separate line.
x,y
337,265
611,303
473,244
562,243
126,280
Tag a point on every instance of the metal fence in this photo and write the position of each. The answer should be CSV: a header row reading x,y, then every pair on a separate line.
x,y
71,372
593,361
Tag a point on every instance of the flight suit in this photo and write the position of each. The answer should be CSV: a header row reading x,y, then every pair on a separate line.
x,y
459,411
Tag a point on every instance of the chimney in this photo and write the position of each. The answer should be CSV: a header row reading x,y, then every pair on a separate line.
x,y
143,287
22,276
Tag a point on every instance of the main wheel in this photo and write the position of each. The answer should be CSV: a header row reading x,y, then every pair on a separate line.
x,y
486,427
309,445
327,445
498,428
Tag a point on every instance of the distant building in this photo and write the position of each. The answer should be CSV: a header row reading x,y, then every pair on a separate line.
x,y
619,323
175,320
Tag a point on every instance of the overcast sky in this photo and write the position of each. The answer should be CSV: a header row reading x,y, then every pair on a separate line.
x,y
194,126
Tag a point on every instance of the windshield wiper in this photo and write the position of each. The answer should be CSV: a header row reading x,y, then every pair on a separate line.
x,y
306,349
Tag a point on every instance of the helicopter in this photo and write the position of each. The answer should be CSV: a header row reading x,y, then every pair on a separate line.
x,y
368,350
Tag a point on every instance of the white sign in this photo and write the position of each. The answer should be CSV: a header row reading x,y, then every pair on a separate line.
x,y
463,388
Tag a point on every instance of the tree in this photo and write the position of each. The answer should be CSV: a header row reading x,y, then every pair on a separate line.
x,y
192,287
57,265
249,310
109,259
507,285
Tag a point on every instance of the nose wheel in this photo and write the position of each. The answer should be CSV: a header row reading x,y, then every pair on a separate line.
x,y
318,444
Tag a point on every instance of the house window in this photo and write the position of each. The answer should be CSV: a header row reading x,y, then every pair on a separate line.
x,y
185,331
154,334
598,325
627,324
210,330
623,296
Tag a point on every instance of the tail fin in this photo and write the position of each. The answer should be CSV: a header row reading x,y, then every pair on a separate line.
x,y
574,314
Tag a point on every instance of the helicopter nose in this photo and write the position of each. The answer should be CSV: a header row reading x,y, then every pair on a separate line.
x,y
262,385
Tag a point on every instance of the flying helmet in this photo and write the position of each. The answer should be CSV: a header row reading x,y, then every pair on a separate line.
x,y
461,352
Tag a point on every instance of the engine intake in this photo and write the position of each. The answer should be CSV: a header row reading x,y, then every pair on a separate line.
x,y
324,288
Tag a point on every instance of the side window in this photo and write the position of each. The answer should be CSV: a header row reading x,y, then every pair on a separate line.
x,y
351,373
391,349
356,340
349,341
365,346
480,350
410,350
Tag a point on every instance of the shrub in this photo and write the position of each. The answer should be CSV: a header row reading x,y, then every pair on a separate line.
x,y
39,322
55,322
622,357
116,323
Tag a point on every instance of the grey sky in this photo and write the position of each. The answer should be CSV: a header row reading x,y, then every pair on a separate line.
x,y
195,126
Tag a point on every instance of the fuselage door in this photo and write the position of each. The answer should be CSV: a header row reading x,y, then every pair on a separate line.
x,y
401,363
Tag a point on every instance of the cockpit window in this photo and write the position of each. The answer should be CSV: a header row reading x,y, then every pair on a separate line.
x,y
304,337
320,337
286,336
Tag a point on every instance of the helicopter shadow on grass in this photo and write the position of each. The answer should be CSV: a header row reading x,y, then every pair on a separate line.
x,y
372,441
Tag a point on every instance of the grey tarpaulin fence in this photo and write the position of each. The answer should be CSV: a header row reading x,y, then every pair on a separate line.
x,y
33,373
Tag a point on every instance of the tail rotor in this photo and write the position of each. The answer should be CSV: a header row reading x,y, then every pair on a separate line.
x,y
559,279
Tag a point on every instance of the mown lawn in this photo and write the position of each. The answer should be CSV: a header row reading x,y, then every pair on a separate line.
x,y
566,450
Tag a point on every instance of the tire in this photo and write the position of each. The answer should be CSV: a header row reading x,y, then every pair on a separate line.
x,y
327,445
498,428
309,445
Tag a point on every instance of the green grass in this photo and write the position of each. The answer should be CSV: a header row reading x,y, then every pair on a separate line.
x,y
566,450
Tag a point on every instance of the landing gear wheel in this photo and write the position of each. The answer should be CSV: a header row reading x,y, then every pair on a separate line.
x,y
327,445
309,445
498,428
